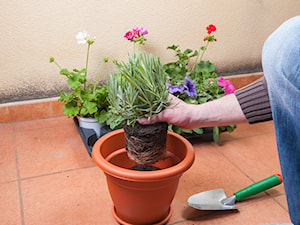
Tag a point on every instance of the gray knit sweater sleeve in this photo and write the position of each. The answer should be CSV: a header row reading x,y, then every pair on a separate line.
x,y
254,101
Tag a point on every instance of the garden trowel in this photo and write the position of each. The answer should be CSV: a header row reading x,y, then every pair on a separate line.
x,y
217,200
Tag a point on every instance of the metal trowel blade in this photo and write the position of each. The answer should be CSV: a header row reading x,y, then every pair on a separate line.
x,y
210,200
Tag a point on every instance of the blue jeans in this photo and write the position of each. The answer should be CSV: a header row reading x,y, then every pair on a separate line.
x,y
281,65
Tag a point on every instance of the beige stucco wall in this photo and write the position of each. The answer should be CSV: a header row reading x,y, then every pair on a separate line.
x,y
33,30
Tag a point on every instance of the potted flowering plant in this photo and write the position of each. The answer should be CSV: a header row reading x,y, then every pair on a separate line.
x,y
87,99
197,83
139,90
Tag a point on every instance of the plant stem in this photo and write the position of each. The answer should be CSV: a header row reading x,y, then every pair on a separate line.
x,y
203,51
133,50
87,62
57,65
136,46
98,76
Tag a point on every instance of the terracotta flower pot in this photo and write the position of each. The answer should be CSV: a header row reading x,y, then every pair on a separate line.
x,y
142,197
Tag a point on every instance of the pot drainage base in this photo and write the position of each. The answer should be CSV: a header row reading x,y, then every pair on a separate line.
x,y
120,221
88,136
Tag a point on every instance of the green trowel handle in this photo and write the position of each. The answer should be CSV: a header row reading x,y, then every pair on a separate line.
x,y
259,187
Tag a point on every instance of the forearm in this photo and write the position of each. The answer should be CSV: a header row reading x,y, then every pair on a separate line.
x,y
220,112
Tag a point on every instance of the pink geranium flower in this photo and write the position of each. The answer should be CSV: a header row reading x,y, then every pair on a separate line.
x,y
140,31
228,87
136,34
129,35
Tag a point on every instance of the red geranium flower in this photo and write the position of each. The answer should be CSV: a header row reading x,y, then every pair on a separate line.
x,y
211,28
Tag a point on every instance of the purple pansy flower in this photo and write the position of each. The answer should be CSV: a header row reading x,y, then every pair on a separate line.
x,y
175,89
190,87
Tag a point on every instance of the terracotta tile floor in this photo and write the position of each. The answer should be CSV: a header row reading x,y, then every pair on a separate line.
x,y
47,177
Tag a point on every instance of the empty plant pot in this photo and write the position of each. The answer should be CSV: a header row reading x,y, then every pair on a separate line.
x,y
142,197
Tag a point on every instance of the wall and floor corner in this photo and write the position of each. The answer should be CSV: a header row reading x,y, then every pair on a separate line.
x,y
50,107
32,31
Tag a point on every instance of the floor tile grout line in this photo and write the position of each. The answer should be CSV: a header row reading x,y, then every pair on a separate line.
x,y
9,181
236,166
43,175
274,198
57,172
40,128
254,135
32,119
49,126
18,177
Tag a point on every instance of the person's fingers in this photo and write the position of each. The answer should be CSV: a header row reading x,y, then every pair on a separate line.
x,y
148,121
145,121
163,116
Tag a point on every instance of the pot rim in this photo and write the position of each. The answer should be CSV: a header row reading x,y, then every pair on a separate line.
x,y
87,119
120,172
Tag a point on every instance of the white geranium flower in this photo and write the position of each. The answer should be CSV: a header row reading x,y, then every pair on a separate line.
x,y
82,37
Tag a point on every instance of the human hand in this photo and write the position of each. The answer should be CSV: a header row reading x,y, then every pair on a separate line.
x,y
177,114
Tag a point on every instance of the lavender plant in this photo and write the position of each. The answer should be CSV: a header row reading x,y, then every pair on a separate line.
x,y
138,89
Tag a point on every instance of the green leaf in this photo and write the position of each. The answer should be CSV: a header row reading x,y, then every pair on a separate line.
x,y
198,130
70,109
187,131
205,66
82,72
67,97
88,108
176,129
187,51
230,128
195,53
173,47
216,134
102,116
170,127
64,71
64,97
113,121
75,80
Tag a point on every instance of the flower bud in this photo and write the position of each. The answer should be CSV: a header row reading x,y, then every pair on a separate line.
x,y
51,59
91,41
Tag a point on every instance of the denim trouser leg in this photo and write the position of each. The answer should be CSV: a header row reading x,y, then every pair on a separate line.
x,y
281,64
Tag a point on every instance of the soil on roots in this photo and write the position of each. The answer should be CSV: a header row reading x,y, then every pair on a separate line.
x,y
146,144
